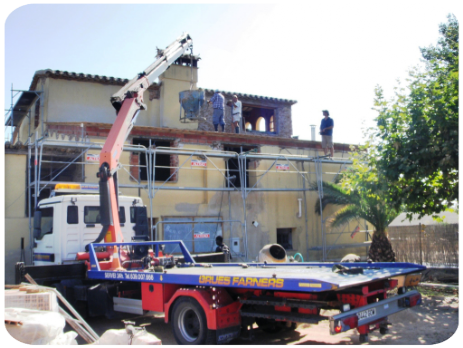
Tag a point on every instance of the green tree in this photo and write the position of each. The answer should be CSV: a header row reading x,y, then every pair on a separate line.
x,y
360,194
418,130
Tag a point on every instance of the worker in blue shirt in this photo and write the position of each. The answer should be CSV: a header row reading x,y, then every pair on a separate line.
x,y
326,131
217,102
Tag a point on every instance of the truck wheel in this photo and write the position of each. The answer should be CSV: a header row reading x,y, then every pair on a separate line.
x,y
189,323
292,326
363,338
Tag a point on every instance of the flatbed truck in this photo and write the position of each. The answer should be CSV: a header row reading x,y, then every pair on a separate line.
x,y
214,303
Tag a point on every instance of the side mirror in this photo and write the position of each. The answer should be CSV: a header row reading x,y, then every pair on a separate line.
x,y
38,220
37,233
37,224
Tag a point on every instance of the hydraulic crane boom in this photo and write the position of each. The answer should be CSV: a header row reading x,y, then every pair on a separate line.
x,y
128,102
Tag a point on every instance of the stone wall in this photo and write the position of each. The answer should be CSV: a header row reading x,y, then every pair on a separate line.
x,y
283,122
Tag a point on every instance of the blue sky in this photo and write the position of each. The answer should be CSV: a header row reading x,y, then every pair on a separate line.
x,y
326,55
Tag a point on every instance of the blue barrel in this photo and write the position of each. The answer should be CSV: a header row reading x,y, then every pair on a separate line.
x,y
191,102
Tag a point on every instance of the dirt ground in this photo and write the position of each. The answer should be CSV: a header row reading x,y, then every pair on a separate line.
x,y
434,321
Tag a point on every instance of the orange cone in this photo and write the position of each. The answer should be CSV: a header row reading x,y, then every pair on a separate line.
x,y
115,262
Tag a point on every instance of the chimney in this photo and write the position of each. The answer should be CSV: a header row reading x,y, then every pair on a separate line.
x,y
312,131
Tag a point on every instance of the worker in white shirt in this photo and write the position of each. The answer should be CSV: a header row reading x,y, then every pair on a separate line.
x,y
236,113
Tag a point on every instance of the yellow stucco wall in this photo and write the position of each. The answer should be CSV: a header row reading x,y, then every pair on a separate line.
x,y
16,222
77,101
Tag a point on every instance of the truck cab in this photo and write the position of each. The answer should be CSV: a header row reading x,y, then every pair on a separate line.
x,y
70,219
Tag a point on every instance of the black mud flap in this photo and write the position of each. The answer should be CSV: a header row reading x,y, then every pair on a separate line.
x,y
100,300
226,335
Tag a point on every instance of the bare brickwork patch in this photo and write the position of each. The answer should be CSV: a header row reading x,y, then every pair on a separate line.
x,y
283,122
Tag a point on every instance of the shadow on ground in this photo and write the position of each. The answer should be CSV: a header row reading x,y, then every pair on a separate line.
x,y
435,321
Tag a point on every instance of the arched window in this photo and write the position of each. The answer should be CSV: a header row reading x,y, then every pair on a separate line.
x,y
260,124
248,126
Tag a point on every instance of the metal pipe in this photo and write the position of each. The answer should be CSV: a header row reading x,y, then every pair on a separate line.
x,y
229,198
297,158
151,178
31,240
129,148
12,115
35,171
42,106
421,248
29,128
242,168
306,218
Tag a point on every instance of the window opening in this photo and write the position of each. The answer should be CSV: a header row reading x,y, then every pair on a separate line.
x,y
162,169
260,124
260,119
285,238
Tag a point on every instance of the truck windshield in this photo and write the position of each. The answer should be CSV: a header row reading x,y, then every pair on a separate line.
x,y
46,223
92,215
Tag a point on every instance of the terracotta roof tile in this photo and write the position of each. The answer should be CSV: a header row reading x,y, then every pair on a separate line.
x,y
58,74
253,96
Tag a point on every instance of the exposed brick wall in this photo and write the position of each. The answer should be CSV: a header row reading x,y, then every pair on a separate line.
x,y
174,162
134,169
283,122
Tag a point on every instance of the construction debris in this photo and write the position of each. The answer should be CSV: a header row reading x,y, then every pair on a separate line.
x,y
37,327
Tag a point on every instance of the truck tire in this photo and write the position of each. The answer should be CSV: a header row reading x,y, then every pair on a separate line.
x,y
189,323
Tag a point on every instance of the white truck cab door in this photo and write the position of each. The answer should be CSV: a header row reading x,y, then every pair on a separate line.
x,y
44,252
71,229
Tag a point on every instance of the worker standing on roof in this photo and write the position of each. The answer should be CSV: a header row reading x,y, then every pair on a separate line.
x,y
217,102
236,113
326,131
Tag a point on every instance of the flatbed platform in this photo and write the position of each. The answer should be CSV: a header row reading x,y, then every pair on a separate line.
x,y
294,276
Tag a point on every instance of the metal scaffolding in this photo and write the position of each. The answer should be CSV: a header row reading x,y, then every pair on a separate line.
x,y
21,109
152,187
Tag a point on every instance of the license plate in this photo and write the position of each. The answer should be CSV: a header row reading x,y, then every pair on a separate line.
x,y
366,313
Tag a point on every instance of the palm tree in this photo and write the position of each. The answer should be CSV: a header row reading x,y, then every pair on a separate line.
x,y
360,203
